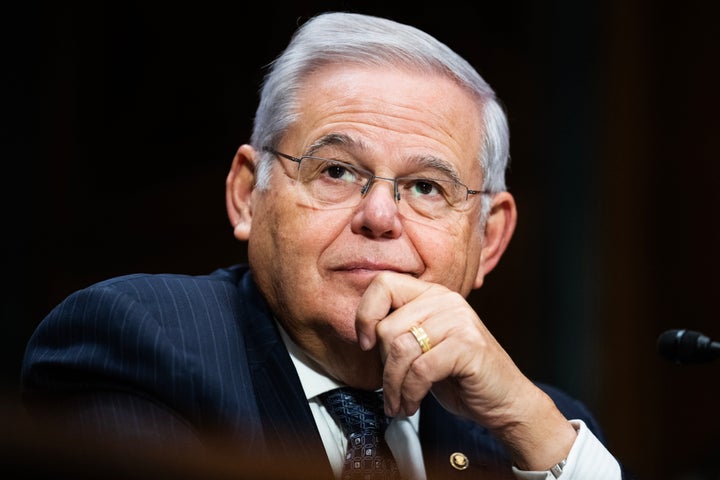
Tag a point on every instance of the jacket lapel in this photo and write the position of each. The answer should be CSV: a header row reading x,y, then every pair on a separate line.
x,y
288,423
455,448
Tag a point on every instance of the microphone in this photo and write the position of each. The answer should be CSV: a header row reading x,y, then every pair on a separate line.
x,y
687,346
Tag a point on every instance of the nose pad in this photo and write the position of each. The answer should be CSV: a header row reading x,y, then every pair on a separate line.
x,y
378,214
395,193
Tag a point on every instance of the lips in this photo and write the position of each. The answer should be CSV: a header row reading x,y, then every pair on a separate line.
x,y
359,274
374,267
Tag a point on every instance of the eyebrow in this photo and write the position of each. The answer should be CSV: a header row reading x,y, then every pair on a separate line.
x,y
437,163
333,139
424,161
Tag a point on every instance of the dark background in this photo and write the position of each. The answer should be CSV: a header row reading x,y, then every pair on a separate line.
x,y
121,120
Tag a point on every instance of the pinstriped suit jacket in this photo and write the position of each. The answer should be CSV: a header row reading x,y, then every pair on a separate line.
x,y
176,356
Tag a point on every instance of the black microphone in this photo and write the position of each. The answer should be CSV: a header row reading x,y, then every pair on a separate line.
x,y
687,346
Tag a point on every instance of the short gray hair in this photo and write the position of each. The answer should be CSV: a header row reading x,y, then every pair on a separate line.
x,y
368,40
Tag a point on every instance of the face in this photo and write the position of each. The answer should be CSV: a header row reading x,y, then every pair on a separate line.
x,y
314,264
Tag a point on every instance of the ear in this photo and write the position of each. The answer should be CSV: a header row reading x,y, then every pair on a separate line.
x,y
499,228
239,186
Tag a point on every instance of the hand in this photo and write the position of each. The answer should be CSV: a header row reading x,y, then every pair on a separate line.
x,y
466,369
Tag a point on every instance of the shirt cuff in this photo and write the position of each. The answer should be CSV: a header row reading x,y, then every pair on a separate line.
x,y
588,458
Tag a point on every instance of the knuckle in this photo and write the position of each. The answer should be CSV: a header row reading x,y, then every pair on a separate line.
x,y
421,368
402,345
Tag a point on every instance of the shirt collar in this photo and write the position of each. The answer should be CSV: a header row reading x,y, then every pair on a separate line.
x,y
313,381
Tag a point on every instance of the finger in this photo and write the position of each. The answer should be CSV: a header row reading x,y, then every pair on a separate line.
x,y
456,341
422,374
399,347
412,364
403,351
387,292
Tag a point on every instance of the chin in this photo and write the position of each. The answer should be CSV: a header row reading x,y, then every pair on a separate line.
x,y
364,371
339,313
344,328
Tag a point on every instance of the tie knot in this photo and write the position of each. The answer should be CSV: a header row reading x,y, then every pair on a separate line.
x,y
362,418
357,411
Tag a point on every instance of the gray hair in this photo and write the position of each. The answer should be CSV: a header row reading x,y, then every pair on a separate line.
x,y
373,41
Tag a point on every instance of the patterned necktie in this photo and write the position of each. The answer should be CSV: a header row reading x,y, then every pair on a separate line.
x,y
361,416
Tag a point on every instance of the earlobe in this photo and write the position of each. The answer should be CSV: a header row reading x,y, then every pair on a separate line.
x,y
239,186
499,229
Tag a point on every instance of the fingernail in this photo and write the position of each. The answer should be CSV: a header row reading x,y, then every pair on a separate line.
x,y
364,341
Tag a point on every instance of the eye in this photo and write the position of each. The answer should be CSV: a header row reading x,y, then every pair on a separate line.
x,y
338,171
421,187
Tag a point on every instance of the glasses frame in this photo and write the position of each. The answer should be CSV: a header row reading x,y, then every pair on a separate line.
x,y
372,177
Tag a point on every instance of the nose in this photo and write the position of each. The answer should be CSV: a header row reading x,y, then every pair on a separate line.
x,y
378,216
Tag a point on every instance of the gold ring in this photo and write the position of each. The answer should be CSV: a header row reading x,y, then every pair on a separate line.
x,y
422,338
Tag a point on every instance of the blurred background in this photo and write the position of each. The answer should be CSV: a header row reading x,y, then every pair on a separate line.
x,y
121,120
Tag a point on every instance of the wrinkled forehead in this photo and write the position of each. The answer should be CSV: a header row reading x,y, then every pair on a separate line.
x,y
388,112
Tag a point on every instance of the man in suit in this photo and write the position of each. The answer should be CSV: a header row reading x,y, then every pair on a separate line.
x,y
372,199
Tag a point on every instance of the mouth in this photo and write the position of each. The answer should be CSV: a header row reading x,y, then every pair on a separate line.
x,y
360,274
374,267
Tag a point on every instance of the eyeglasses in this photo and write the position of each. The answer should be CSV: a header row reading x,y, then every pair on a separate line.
x,y
332,183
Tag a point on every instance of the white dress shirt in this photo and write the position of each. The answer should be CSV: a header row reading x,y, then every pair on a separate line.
x,y
588,458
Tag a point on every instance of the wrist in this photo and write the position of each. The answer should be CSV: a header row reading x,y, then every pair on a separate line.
x,y
542,441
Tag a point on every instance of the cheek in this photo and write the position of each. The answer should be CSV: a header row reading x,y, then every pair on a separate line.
x,y
451,255
289,238
277,231
286,253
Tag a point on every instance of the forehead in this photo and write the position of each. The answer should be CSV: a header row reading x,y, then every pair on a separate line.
x,y
392,113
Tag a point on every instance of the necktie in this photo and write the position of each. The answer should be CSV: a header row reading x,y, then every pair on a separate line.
x,y
362,419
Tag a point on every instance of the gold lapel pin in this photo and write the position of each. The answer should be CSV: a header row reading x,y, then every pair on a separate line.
x,y
459,461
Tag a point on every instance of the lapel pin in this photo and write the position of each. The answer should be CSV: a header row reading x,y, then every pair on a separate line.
x,y
459,461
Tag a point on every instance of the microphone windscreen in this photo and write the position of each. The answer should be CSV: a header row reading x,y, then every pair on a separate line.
x,y
686,346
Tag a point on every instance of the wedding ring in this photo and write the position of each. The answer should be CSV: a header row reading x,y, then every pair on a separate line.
x,y
422,338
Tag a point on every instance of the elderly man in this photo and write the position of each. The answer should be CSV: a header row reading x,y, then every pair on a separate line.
x,y
372,199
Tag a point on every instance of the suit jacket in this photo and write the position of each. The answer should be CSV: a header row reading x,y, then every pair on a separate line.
x,y
175,357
